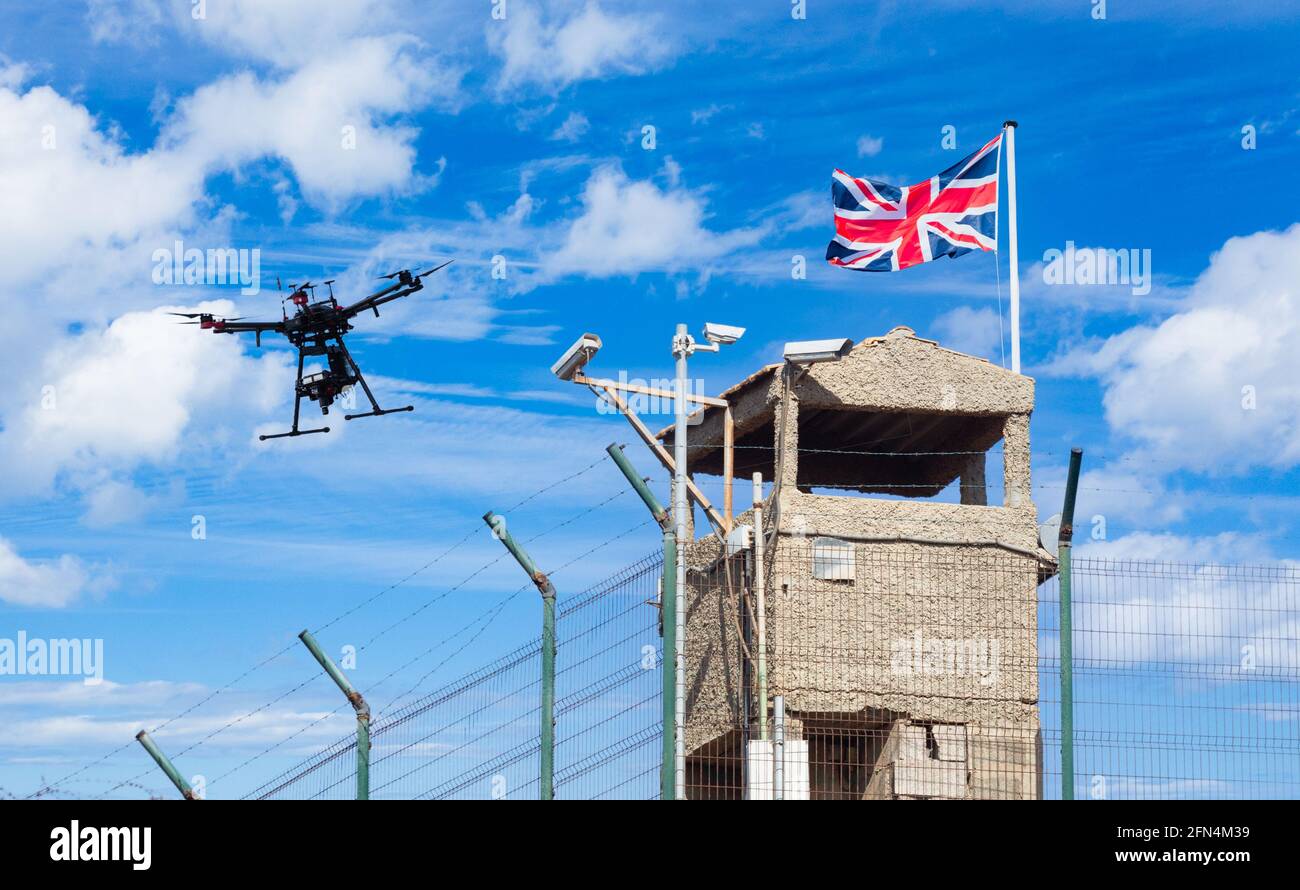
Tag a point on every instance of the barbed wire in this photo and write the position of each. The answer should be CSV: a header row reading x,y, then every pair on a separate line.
x,y
288,647
486,617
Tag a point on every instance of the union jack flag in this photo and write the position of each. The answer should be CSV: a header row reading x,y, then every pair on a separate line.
x,y
883,228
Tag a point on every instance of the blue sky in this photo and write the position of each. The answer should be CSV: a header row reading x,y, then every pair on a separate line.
x,y
524,138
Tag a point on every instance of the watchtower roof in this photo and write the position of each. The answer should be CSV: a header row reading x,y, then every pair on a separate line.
x,y
894,395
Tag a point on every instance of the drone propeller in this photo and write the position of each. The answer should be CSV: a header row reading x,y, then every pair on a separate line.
x,y
435,269
392,275
222,320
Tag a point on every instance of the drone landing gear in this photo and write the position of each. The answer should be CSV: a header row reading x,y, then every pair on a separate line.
x,y
297,405
292,433
376,410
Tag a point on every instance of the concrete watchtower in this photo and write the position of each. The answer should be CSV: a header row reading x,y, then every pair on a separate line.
x,y
900,602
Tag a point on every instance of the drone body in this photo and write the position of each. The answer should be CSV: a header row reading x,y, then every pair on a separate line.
x,y
317,328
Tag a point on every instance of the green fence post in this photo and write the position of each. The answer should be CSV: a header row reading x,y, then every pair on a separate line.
x,y
1063,545
359,705
668,617
497,523
166,765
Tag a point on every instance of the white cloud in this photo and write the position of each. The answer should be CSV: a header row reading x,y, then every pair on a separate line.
x,y
309,728
973,331
1222,549
1182,389
628,226
869,146
704,115
69,184
76,694
126,394
114,501
290,33
270,31
672,172
327,119
125,21
588,44
1113,499
47,583
575,126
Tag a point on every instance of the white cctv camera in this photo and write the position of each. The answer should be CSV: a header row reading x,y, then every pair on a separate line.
x,y
722,333
576,357
807,352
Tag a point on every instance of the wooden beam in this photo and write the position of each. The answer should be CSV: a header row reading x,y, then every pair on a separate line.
x,y
604,383
719,525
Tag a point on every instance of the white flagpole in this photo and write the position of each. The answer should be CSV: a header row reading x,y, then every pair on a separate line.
x,y
1009,129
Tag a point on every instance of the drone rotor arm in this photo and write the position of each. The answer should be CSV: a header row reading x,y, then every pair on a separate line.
x,y
248,327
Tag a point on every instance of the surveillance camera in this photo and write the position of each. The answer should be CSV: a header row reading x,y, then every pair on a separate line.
x,y
576,357
807,352
722,333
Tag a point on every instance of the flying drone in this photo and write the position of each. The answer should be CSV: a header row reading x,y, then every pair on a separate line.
x,y
310,329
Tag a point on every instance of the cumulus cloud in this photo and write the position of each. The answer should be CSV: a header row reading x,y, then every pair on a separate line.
x,y
1214,385
46,583
628,226
67,184
586,44
127,394
273,30
70,184
329,119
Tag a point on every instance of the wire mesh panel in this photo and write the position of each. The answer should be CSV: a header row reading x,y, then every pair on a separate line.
x,y
1186,681
478,737
904,671
609,689
328,775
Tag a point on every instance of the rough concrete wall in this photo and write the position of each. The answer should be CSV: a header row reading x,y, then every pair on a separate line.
x,y
900,372
942,634
1015,461
863,517
786,438
947,635
714,657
